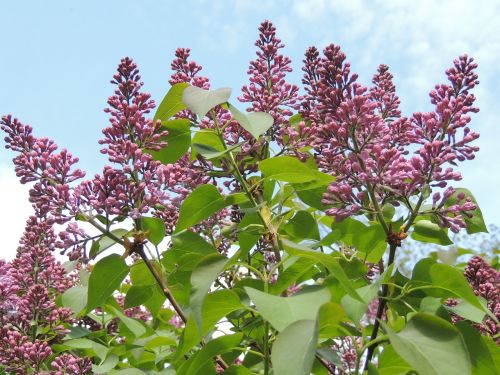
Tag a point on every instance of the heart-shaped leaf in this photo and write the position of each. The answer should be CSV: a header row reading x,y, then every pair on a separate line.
x,y
256,123
201,101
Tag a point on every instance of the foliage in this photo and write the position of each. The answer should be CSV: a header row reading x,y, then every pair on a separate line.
x,y
259,242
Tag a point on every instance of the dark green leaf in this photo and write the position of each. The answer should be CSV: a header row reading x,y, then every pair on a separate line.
x,y
481,360
105,278
427,231
155,228
178,141
302,226
203,202
138,295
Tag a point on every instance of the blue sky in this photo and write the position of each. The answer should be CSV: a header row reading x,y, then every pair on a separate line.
x,y
58,57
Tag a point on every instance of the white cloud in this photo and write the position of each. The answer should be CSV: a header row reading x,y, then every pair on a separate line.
x,y
15,211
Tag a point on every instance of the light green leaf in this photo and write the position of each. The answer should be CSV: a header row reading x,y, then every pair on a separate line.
x,y
390,363
172,102
286,168
203,276
106,242
133,325
427,231
330,315
256,123
110,362
326,260
155,228
105,278
203,202
75,298
294,349
201,101
283,311
217,305
432,346
178,141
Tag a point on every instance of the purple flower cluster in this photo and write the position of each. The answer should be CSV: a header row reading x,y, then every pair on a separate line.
x,y
38,161
359,136
485,281
268,90
29,285
68,364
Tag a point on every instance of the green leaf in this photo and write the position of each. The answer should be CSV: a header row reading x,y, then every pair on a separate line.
x,y
372,242
325,259
283,311
203,202
256,123
390,363
481,359
286,168
329,317
141,277
432,346
138,295
172,102
105,278
109,363
214,347
217,305
450,278
133,325
178,141
302,226
106,242
474,223
155,228
75,298
294,349
427,231
207,143
203,276
201,101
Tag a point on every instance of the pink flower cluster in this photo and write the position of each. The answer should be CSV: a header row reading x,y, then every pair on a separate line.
x,y
268,90
485,281
359,135
38,162
29,316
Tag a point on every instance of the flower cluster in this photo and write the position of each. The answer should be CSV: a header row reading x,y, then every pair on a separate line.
x,y
29,285
358,135
268,90
38,161
485,281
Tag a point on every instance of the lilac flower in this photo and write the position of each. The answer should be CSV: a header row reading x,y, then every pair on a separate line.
x,y
38,162
268,90
71,365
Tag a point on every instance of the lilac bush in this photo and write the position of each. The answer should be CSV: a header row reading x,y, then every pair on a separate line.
x,y
262,240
